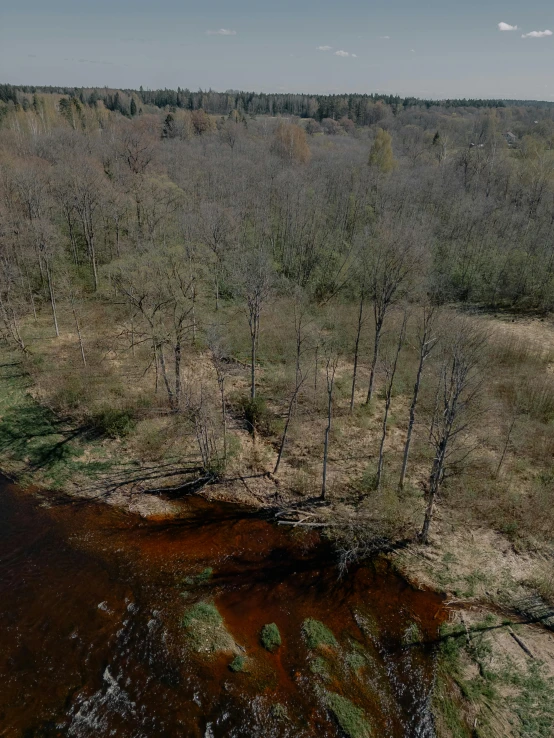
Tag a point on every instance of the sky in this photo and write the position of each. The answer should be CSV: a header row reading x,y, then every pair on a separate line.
x,y
425,48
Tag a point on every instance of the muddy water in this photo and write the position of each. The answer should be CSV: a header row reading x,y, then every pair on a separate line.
x,y
91,642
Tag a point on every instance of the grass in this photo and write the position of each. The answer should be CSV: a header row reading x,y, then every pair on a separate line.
x,y
238,664
201,578
355,660
318,666
279,711
352,720
206,629
412,635
317,634
270,637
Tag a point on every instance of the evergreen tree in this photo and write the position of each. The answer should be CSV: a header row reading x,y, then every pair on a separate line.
x,y
133,107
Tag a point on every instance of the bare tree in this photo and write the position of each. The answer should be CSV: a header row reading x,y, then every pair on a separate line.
x,y
426,341
221,369
255,280
359,327
390,371
460,383
161,292
391,262
330,371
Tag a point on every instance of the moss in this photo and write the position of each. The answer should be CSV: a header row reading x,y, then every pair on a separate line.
x,y
355,660
200,578
206,629
318,666
238,664
352,720
279,711
317,634
270,637
412,635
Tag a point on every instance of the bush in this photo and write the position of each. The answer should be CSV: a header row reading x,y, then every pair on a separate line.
x,y
351,719
206,629
318,634
270,637
256,414
113,423
238,664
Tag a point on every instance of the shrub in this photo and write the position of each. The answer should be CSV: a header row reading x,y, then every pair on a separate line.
x,y
256,414
270,637
113,423
279,711
317,634
206,629
351,719
238,664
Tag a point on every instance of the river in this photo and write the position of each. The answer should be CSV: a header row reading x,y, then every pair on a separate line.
x,y
92,642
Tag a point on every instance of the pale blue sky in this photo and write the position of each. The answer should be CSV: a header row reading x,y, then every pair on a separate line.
x,y
434,48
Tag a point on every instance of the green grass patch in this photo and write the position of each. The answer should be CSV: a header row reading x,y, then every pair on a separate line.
x,y
270,637
412,635
317,634
112,422
238,664
355,660
206,630
319,667
201,578
352,720
279,711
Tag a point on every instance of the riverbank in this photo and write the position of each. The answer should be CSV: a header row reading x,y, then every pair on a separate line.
x,y
493,580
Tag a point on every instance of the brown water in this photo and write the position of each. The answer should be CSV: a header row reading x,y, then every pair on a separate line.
x,y
91,643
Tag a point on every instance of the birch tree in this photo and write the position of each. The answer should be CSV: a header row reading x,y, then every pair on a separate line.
x,y
460,383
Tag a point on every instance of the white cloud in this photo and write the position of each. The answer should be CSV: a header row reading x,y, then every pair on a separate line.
x,y
536,34
324,48
354,55
506,27
222,32
385,37
340,52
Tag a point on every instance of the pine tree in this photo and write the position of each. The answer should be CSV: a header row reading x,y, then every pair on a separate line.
x,y
133,107
381,155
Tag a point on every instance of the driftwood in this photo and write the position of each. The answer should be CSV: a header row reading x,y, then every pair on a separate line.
x,y
520,643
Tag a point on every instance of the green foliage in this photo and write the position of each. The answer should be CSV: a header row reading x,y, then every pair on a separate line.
x,y
206,630
256,414
412,635
534,703
279,711
351,719
238,664
319,667
317,634
355,660
381,155
204,576
113,423
270,637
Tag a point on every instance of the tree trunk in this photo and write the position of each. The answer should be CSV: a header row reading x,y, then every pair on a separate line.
x,y
356,351
52,297
411,423
378,329
79,335
163,367
434,483
286,429
253,348
177,375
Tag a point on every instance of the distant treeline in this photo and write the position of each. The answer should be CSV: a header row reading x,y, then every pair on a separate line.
x,y
362,109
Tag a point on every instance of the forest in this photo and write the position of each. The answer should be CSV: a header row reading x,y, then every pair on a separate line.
x,y
334,308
